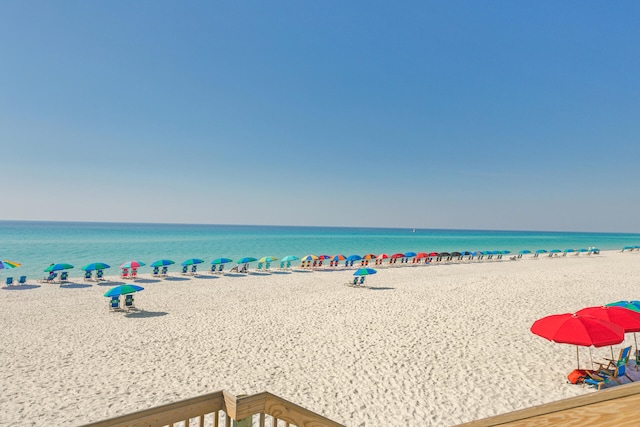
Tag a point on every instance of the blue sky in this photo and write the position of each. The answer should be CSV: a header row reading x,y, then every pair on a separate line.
x,y
451,114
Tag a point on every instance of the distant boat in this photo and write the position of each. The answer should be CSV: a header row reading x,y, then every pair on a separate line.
x,y
413,231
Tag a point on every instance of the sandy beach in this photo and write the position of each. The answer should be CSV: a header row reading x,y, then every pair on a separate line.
x,y
430,345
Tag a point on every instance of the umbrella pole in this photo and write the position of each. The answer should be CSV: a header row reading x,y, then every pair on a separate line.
x,y
636,341
591,357
578,356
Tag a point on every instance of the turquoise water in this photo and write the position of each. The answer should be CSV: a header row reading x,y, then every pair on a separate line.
x,y
38,244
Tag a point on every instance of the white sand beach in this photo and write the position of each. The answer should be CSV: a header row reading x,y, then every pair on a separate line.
x,y
431,345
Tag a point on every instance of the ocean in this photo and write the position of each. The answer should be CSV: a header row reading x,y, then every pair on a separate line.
x,y
38,244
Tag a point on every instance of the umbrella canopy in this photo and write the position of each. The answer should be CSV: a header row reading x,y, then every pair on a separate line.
x,y
627,319
162,263
95,266
267,259
432,254
246,260
289,258
339,257
8,264
383,256
456,254
397,256
541,251
132,264
192,261
582,250
123,290
629,305
354,258
364,272
555,251
441,254
221,261
524,252
569,250
370,256
422,255
58,267
324,256
409,254
310,257
578,329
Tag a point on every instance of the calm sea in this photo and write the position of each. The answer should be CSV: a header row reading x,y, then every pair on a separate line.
x,y
38,244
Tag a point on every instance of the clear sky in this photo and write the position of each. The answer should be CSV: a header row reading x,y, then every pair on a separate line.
x,y
451,114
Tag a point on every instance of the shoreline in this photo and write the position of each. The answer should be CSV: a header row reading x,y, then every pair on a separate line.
x,y
438,345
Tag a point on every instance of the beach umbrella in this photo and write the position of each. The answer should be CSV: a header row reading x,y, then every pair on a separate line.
x,y
569,250
324,256
123,290
369,256
162,263
444,254
465,253
629,305
265,259
421,255
524,252
95,266
555,251
456,254
541,251
246,260
397,256
6,264
432,254
504,252
582,250
58,267
383,256
289,258
132,264
409,254
627,248
354,258
629,320
221,261
310,257
339,257
192,261
579,330
364,272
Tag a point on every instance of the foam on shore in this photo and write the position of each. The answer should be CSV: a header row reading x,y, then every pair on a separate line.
x,y
428,345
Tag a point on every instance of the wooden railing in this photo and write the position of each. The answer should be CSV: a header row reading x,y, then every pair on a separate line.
x,y
615,406
221,408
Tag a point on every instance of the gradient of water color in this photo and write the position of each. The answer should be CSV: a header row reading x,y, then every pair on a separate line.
x,y
38,244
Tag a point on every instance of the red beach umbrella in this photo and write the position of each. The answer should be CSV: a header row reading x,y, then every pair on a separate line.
x,y
579,330
432,254
422,255
369,256
629,320
383,256
397,256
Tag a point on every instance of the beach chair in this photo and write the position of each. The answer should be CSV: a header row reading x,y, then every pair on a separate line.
x,y
125,273
221,268
134,274
128,302
361,282
23,280
354,282
9,281
114,304
281,265
49,279
194,269
611,364
88,275
602,377
185,269
64,276
245,269
259,268
234,269
99,274
155,272
165,271
267,266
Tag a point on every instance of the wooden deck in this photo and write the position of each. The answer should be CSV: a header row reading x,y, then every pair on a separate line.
x,y
616,406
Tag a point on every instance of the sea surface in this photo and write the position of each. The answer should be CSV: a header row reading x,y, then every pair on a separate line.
x,y
38,244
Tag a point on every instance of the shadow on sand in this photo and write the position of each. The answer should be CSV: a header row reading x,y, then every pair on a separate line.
x,y
177,279
144,314
75,285
20,287
379,289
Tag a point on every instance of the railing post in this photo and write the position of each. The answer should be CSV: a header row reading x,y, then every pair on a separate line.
x,y
245,422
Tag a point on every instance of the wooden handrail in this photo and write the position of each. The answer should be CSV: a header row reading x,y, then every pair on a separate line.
x,y
235,407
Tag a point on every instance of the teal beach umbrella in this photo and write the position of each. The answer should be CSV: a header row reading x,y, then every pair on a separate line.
x,y
58,267
123,290
364,272
246,260
290,258
221,261
192,261
162,263
95,266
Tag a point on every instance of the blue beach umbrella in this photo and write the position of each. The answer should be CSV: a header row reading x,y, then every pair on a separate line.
x,y
541,251
629,305
364,272
123,290
246,260
524,252
582,250
627,248
410,254
505,252
95,266
569,250
354,258
221,261
162,263
58,267
192,261
555,251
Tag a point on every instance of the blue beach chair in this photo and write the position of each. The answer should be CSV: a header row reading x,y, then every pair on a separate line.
x,y
194,269
185,269
9,281
156,271
99,274
114,304
88,275
50,278
128,302
23,280
361,282
221,268
64,276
